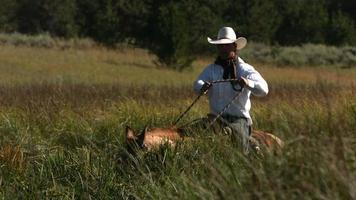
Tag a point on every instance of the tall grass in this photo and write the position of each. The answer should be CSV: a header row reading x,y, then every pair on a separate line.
x,y
64,139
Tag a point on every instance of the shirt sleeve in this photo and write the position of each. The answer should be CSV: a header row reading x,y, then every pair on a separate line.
x,y
205,75
256,84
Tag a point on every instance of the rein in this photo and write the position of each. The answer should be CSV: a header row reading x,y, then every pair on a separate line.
x,y
225,108
204,92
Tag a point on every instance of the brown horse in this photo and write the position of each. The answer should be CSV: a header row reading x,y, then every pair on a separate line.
x,y
152,138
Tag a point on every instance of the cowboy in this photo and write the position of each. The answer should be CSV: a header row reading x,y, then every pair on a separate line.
x,y
236,94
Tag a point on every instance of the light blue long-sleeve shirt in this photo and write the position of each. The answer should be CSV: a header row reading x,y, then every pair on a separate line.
x,y
220,94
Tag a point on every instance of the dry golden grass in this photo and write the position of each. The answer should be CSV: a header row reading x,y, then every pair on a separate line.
x,y
20,65
13,156
308,74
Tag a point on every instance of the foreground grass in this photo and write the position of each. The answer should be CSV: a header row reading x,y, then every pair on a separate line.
x,y
63,138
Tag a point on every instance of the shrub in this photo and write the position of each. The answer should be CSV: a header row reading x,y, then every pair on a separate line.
x,y
308,54
44,40
291,56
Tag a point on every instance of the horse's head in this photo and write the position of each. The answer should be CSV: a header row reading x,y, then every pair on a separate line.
x,y
132,141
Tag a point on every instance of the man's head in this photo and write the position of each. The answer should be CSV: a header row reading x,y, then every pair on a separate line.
x,y
227,43
227,51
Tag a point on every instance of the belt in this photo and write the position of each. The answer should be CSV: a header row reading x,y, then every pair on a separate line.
x,y
232,118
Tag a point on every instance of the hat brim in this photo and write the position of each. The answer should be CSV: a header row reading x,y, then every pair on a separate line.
x,y
240,42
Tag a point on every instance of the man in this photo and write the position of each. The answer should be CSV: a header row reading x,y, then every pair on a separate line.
x,y
248,81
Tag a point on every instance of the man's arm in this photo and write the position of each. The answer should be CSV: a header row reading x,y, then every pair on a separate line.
x,y
203,80
255,83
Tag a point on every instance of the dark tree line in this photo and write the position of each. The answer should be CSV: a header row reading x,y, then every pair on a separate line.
x,y
176,30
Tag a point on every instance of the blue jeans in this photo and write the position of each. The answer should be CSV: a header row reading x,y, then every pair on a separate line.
x,y
240,131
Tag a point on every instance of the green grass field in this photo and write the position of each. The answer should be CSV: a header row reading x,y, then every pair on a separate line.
x,y
63,114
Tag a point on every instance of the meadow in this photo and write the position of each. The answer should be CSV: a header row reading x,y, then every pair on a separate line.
x,y
63,112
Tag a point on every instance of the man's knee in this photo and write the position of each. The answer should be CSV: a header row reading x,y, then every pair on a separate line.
x,y
240,134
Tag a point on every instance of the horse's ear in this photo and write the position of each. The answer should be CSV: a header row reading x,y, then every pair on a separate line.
x,y
144,131
277,141
130,135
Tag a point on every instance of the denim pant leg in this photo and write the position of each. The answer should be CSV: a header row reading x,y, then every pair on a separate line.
x,y
240,133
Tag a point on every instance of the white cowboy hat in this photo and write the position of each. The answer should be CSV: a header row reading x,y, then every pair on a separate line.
x,y
227,35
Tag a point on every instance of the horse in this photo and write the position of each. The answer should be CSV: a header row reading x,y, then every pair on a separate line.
x,y
152,138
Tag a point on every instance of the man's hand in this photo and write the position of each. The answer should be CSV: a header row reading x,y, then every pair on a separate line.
x,y
242,82
204,89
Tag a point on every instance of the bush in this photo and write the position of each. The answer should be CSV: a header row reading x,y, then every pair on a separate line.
x,y
348,57
321,54
44,41
258,52
308,54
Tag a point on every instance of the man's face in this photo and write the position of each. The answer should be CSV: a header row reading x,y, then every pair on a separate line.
x,y
227,50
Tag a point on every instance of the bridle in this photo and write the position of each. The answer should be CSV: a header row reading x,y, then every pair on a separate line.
x,y
204,92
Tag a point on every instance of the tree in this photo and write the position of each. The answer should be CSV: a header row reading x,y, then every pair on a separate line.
x,y
110,21
7,15
30,16
61,18
55,17
303,21
174,30
263,20
341,30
